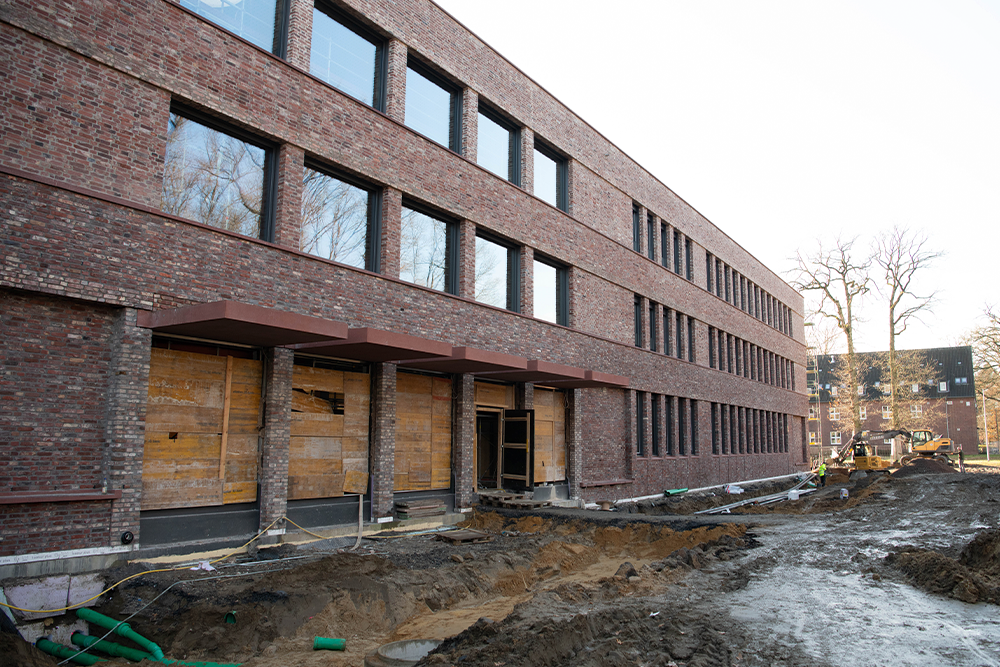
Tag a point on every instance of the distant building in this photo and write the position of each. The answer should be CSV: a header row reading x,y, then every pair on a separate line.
x,y
944,401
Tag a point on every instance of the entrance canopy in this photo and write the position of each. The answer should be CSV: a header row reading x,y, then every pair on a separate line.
x,y
469,360
377,345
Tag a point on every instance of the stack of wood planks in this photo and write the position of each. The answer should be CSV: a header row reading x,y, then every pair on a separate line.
x,y
416,509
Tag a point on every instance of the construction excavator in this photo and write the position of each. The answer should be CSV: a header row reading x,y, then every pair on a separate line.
x,y
921,443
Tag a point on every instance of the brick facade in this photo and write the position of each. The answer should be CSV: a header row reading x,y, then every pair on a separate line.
x,y
85,247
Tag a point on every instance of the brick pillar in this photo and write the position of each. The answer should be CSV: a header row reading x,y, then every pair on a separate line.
x,y
528,281
644,322
464,428
527,160
470,123
524,396
630,433
125,422
571,176
658,316
575,294
467,259
382,464
300,19
395,89
574,442
392,211
643,240
656,236
288,208
276,435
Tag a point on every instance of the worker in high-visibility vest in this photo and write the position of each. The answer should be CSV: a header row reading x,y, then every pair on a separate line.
x,y
821,473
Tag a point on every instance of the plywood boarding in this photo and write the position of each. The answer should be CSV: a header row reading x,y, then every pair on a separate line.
x,y
183,463
550,436
495,395
323,445
423,432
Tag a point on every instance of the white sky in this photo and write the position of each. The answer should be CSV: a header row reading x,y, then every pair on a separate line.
x,y
782,121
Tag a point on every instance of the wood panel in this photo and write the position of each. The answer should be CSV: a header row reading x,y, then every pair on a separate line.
x,y
550,436
184,461
423,432
495,395
324,445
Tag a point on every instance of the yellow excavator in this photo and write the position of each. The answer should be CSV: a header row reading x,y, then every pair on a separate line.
x,y
920,442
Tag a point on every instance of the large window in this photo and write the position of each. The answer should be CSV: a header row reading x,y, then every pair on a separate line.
x,y
432,108
345,59
426,246
497,274
551,297
261,22
217,176
498,146
550,177
340,220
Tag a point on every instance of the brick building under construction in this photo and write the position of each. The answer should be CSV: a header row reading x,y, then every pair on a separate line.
x,y
250,247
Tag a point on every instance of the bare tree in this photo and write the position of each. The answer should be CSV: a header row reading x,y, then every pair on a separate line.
x,y
901,255
334,219
840,281
985,342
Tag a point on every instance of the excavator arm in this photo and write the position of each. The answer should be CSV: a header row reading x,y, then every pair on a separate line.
x,y
863,437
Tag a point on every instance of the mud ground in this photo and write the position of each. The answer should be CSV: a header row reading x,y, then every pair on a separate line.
x,y
904,572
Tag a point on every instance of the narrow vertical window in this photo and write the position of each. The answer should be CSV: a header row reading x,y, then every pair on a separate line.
x,y
690,345
637,310
551,296
426,247
682,426
666,330
679,335
651,236
551,177
677,252
433,108
709,270
640,422
218,176
498,146
688,257
346,57
261,22
669,424
664,245
340,219
716,430
656,424
636,227
497,274
718,277
728,277
694,427
652,326
711,347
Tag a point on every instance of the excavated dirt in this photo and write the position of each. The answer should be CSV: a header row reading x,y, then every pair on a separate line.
x,y
910,562
923,467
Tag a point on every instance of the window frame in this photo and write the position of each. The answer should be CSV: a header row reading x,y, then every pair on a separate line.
x,y
451,252
279,39
373,233
637,314
650,236
636,227
562,173
380,84
513,268
640,424
513,141
562,288
269,186
455,110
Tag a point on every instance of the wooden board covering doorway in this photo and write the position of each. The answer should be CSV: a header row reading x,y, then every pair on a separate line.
x,y
550,435
423,432
202,416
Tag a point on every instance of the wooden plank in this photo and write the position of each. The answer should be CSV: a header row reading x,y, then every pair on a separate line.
x,y
494,395
355,482
170,494
226,403
360,465
239,492
301,487
160,446
317,425
183,418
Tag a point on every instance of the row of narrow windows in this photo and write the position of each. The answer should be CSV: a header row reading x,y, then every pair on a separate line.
x,y
675,248
672,424
678,330
740,430
729,353
727,284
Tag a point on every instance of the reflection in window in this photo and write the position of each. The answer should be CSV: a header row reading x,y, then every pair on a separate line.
x,y
494,284
431,110
335,218
497,149
423,250
551,178
213,177
345,59
551,293
253,20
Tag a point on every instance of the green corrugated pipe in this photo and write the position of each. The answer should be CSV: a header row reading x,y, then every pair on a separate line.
x,y
121,629
110,648
65,652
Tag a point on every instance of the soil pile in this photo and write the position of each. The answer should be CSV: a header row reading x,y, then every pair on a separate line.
x,y
923,466
689,503
973,577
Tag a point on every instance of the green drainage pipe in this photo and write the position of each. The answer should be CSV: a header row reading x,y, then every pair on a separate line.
x,y
65,652
120,628
110,648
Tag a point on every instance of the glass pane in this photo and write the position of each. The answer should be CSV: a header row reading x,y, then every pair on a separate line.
x,y
545,292
493,147
428,108
253,20
491,273
342,58
212,178
546,178
422,250
334,219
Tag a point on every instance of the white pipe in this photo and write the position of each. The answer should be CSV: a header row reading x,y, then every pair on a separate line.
x,y
703,488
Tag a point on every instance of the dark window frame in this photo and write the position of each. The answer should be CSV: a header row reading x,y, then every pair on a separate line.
x,y
269,187
380,84
655,401
636,227
451,253
651,236
562,288
637,314
652,326
562,173
677,252
513,268
669,419
279,39
453,89
640,423
688,256
513,141
664,245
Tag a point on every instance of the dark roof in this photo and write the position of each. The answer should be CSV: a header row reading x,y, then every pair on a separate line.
x,y
953,364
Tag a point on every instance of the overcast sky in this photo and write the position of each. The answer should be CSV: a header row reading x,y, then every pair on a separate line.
x,y
784,121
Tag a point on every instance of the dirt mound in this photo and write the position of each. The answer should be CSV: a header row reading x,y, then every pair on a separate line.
x,y
689,503
973,577
923,466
